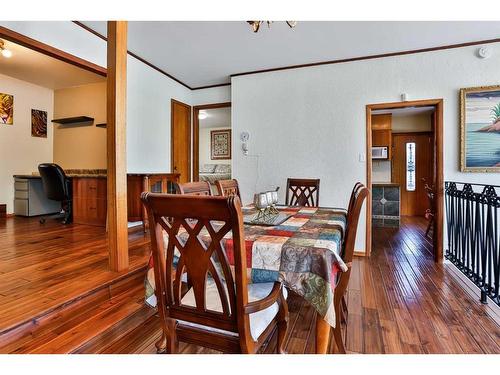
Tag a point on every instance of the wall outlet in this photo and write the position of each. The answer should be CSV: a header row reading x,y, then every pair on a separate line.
x,y
362,157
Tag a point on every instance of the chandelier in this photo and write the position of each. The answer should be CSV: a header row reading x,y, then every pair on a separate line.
x,y
256,24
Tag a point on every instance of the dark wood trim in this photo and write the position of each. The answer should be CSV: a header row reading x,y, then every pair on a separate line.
x,y
133,55
211,86
50,51
172,101
369,57
430,132
298,66
438,170
196,134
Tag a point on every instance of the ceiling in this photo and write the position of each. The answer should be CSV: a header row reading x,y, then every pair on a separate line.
x,y
216,117
39,69
207,52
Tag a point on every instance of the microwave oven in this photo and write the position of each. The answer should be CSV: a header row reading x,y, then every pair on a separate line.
x,y
380,152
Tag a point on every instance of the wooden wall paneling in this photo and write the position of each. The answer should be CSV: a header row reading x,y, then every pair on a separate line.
x,y
116,145
89,200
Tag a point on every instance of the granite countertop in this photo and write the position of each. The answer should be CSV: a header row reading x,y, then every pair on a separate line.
x,y
88,173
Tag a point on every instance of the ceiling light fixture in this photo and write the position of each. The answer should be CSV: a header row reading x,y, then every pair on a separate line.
x,y
256,24
5,52
202,115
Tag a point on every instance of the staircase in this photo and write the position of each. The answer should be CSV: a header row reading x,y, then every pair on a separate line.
x,y
90,324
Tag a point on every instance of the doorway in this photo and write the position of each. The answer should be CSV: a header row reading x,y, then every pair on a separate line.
x,y
181,140
405,173
212,143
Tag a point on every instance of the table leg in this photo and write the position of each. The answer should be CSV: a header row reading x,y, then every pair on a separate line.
x,y
322,335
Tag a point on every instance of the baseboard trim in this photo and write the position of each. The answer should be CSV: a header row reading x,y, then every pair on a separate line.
x,y
491,309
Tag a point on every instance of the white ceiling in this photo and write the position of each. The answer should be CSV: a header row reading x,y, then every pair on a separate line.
x,y
216,117
208,52
39,69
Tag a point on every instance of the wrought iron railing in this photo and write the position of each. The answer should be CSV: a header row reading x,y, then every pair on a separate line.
x,y
473,226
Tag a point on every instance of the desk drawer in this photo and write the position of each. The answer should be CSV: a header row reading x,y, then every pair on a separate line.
x,y
21,185
21,194
91,211
88,187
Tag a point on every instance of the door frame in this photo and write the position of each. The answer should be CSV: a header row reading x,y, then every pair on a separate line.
x,y
438,172
196,134
172,102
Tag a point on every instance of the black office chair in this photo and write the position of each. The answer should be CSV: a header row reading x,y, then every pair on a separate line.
x,y
57,187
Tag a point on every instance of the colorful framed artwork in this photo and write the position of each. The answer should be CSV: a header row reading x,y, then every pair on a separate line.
x,y
6,109
220,144
480,129
38,123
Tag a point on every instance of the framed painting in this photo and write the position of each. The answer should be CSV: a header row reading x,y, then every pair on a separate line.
x,y
6,109
220,144
480,129
38,123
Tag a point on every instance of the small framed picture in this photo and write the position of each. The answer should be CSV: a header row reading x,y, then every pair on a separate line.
x,y
220,144
38,123
480,129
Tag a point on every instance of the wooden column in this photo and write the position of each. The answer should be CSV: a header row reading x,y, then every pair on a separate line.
x,y
116,145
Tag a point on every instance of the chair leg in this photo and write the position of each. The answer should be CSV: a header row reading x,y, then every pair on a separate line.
x,y
429,226
344,311
337,331
282,324
172,343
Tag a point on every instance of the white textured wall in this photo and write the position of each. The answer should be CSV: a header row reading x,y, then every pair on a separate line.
x,y
310,122
148,117
20,153
221,94
148,91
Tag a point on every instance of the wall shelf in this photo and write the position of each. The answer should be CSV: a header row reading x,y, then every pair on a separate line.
x,y
101,125
73,120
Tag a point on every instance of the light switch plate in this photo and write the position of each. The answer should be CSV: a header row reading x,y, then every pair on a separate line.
x,y
362,157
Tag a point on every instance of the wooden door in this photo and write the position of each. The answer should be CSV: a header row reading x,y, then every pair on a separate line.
x,y
181,140
413,203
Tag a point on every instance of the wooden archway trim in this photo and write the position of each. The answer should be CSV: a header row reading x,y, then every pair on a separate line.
x,y
196,134
47,50
438,173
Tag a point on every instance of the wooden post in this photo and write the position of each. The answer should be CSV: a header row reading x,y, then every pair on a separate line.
x,y
116,145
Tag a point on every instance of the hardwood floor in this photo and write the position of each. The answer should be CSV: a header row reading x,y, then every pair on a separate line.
x,y
399,300
45,266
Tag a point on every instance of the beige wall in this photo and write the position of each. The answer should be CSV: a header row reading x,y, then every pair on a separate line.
x,y
20,153
80,147
412,123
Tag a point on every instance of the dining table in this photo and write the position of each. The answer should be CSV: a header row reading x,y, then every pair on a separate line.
x,y
303,252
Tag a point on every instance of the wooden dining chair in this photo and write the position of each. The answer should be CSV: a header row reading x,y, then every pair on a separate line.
x,y
227,188
193,188
220,311
302,192
347,255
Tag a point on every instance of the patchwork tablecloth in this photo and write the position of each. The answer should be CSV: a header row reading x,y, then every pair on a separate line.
x,y
303,253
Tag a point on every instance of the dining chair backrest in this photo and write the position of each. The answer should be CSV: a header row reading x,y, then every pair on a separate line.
x,y
227,188
193,188
302,192
183,254
352,223
357,186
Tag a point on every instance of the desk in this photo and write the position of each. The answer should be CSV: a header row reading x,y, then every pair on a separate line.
x,y
90,193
